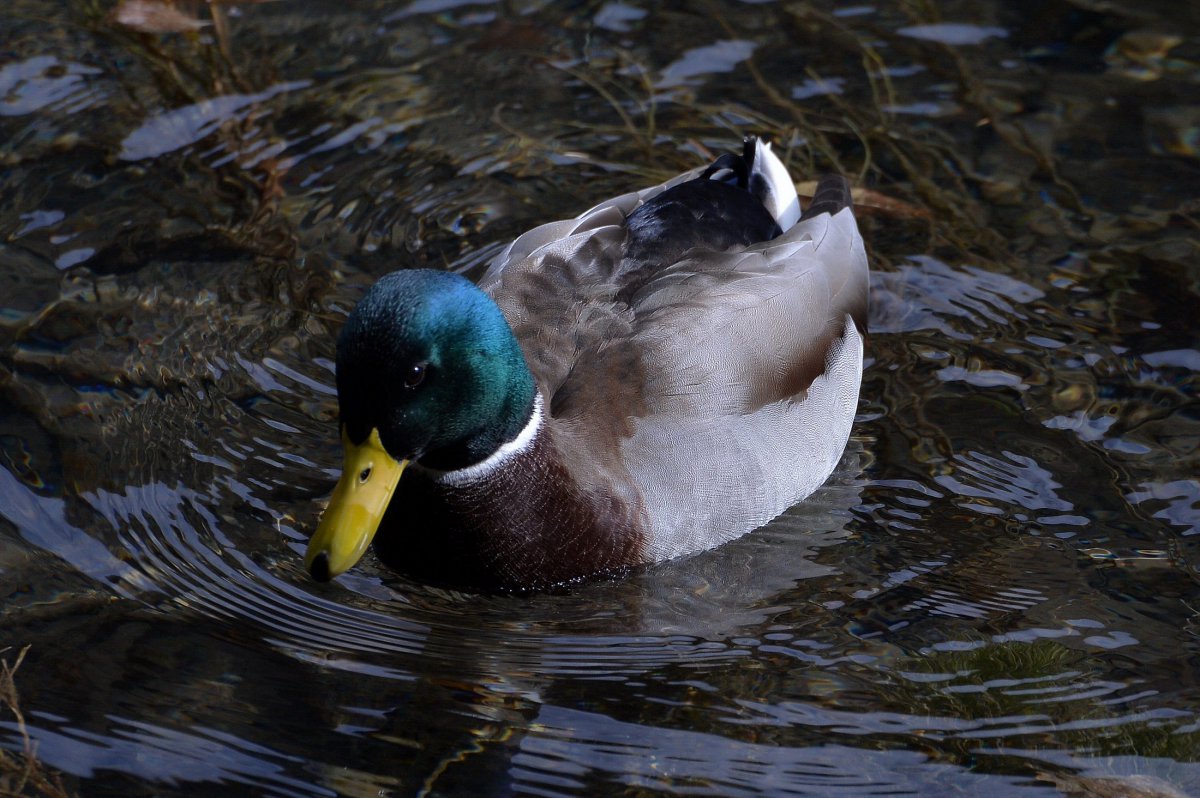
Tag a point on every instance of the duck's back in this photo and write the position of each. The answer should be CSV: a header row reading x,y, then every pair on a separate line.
x,y
693,359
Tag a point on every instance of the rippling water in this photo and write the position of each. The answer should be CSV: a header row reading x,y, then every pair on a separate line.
x,y
995,594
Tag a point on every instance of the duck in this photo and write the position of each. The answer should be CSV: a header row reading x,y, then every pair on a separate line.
x,y
654,377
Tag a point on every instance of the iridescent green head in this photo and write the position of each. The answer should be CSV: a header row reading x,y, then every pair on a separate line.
x,y
429,371
428,360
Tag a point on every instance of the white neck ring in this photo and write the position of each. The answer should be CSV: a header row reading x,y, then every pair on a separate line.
x,y
509,450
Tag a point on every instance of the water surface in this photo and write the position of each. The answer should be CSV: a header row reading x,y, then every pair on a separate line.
x,y
995,593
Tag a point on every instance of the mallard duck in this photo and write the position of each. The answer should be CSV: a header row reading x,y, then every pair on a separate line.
x,y
657,376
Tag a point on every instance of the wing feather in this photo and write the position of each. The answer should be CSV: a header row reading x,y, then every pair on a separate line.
x,y
726,380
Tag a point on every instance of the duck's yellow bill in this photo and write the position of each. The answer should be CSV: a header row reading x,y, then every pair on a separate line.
x,y
369,477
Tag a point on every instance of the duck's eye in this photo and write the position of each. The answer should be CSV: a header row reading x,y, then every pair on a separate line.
x,y
415,375
364,475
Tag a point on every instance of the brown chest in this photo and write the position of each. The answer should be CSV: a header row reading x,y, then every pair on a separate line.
x,y
525,525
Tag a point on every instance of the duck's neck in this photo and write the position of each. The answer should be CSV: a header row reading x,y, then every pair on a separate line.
x,y
483,453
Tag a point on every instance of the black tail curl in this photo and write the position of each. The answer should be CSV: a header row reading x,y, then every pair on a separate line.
x,y
833,194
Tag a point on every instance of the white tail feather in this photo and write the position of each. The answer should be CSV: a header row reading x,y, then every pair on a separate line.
x,y
780,199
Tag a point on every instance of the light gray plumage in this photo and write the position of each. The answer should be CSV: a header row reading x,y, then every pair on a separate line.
x,y
725,387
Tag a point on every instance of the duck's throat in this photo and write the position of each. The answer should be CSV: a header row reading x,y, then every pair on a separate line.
x,y
486,452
